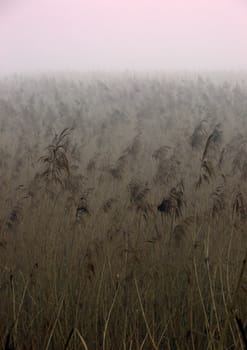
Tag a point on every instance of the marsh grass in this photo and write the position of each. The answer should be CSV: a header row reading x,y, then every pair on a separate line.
x,y
137,237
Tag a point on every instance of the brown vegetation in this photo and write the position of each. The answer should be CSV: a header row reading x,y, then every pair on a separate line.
x,y
123,213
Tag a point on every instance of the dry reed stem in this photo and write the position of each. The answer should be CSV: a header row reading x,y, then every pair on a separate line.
x,y
233,303
108,318
55,323
144,317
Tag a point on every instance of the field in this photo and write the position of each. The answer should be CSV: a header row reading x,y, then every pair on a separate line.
x,y
123,212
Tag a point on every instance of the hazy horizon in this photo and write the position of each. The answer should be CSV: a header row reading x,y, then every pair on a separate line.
x,y
112,36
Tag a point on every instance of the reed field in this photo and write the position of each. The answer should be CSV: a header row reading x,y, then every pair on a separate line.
x,y
123,216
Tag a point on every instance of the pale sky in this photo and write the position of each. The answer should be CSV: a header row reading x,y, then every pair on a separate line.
x,y
47,35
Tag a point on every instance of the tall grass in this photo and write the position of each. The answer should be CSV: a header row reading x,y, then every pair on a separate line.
x,y
123,213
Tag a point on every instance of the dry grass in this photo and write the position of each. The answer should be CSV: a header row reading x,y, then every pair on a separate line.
x,y
127,230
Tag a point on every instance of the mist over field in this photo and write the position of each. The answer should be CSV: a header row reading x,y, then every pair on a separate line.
x,y
123,175
109,35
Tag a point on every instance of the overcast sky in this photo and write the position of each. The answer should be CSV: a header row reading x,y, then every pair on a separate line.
x,y
41,35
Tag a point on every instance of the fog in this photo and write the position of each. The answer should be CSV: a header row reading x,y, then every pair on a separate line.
x,y
112,35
